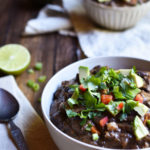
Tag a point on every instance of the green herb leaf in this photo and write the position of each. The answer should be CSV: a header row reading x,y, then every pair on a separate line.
x,y
123,117
73,87
133,70
71,113
129,106
72,102
97,95
94,80
103,86
90,100
118,94
88,128
83,122
91,115
113,74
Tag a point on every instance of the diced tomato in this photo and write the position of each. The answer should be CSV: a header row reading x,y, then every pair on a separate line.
x,y
139,98
94,130
120,106
81,87
106,98
103,121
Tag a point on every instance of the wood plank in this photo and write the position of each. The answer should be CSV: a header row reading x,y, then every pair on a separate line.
x,y
65,52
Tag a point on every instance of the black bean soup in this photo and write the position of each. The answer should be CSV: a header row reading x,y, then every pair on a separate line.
x,y
105,122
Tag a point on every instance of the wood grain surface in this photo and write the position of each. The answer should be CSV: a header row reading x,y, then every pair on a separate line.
x,y
53,50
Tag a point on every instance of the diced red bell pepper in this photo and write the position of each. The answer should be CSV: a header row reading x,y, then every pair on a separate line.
x,y
139,98
103,121
106,98
81,87
120,106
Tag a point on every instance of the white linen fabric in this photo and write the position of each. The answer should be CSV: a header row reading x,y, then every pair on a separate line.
x,y
31,125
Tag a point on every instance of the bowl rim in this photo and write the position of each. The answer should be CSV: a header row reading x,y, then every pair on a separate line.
x,y
119,8
61,132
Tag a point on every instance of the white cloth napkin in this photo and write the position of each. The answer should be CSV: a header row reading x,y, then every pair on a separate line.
x,y
95,41
31,125
50,18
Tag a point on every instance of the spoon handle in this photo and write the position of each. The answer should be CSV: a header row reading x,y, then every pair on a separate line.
x,y
17,136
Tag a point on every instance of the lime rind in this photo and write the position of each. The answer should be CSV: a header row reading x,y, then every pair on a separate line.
x,y
14,59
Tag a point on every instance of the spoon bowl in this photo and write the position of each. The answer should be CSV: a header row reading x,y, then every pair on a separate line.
x,y
9,107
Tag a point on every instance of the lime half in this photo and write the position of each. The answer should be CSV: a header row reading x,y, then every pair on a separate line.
x,y
14,58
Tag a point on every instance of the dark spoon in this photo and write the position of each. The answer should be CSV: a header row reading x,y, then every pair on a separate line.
x,y
9,107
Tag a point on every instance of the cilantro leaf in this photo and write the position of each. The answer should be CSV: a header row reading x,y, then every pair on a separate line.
x,y
123,117
88,128
71,113
72,102
83,122
90,100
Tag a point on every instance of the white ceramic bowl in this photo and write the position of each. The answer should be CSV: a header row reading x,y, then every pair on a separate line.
x,y
63,141
116,18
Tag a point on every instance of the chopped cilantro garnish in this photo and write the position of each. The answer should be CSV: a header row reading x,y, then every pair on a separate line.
x,y
121,87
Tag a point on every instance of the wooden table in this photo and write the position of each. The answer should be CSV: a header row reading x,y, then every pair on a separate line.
x,y
53,50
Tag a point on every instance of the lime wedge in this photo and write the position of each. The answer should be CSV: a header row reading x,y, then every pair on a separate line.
x,y
14,58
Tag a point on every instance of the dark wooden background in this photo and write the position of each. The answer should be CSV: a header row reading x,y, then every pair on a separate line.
x,y
53,50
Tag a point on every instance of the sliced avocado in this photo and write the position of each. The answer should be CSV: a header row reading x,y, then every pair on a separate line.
x,y
124,72
138,80
140,130
141,109
131,93
84,72
73,100
112,107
